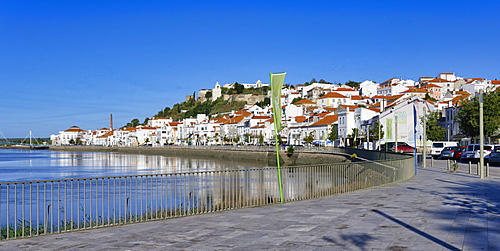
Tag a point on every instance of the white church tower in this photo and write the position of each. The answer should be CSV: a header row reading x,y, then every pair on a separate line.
x,y
216,92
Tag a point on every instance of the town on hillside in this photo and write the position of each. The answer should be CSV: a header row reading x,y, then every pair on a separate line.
x,y
366,115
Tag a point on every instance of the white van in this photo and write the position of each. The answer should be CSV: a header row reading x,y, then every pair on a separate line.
x,y
438,146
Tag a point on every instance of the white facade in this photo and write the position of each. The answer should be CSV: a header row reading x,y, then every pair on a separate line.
x,y
475,86
368,88
400,123
345,123
216,91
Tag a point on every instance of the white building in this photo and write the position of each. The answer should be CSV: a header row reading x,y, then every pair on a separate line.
x,y
346,123
401,122
368,88
70,136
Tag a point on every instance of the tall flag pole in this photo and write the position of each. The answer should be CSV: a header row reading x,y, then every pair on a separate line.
x,y
277,80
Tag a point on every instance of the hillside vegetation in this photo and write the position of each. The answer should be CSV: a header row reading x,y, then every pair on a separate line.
x,y
216,108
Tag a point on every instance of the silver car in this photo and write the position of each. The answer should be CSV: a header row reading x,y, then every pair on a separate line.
x,y
494,156
448,152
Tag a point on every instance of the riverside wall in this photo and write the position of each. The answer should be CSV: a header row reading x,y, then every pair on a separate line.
x,y
259,156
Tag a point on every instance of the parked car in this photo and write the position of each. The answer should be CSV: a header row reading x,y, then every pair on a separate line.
x,y
402,148
458,153
448,152
452,152
472,152
495,155
439,146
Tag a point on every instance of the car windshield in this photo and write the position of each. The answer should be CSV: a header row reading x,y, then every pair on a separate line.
x,y
471,148
497,149
437,145
448,148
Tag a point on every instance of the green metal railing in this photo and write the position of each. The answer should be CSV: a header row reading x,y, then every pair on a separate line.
x,y
55,206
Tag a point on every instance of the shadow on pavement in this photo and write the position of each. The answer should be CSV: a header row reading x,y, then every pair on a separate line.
x,y
359,240
409,227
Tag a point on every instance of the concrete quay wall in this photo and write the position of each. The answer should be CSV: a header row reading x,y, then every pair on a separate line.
x,y
267,157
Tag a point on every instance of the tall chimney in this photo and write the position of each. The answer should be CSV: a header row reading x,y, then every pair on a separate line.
x,y
111,122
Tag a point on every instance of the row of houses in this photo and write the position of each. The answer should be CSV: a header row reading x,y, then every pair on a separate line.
x,y
395,104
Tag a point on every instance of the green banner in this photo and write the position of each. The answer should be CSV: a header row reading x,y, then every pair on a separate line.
x,y
388,128
277,80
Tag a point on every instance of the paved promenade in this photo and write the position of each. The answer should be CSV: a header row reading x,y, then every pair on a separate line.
x,y
436,210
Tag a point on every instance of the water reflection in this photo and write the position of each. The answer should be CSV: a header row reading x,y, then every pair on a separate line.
x,y
26,165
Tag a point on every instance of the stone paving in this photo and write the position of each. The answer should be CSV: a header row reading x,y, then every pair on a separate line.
x,y
436,210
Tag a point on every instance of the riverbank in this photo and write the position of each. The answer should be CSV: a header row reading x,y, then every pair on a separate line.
x,y
259,156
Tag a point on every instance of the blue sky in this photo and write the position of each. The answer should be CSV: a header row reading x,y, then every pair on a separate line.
x,y
65,63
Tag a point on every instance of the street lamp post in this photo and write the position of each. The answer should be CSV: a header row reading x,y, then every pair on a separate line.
x,y
481,136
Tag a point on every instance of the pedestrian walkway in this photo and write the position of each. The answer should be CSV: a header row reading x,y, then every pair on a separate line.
x,y
436,210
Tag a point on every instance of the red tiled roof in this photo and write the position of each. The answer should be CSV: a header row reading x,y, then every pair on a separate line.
x,y
380,96
243,113
333,95
300,119
431,86
327,120
304,101
219,120
344,89
234,120
415,90
75,130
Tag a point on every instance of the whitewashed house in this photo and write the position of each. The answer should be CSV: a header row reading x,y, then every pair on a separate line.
x,y
70,136
346,123
368,88
401,121
333,99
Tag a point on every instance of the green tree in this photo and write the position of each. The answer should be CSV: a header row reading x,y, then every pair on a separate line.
x,y
262,104
468,115
354,136
428,97
295,100
247,137
309,138
433,130
261,139
333,134
374,131
208,95
352,83
238,88
133,123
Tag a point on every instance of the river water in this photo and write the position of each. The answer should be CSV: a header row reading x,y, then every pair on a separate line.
x,y
33,165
